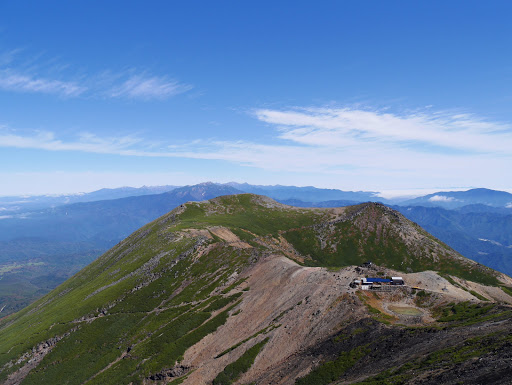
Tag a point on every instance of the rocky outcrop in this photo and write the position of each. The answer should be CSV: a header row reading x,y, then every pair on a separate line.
x,y
31,359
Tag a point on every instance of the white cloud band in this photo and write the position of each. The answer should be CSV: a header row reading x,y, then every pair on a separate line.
x,y
393,150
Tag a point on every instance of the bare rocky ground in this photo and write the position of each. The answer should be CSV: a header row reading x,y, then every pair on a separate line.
x,y
301,309
304,304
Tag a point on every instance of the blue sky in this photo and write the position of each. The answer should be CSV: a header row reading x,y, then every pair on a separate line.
x,y
356,95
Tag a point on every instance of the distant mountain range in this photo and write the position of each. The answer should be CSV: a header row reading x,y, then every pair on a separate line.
x,y
17,204
66,233
456,199
480,198
309,193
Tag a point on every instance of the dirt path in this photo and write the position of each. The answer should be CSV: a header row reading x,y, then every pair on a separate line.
x,y
304,305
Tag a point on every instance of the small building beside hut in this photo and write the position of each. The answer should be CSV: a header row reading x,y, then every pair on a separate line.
x,y
377,280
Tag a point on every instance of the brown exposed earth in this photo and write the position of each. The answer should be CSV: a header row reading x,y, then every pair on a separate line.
x,y
304,304
299,308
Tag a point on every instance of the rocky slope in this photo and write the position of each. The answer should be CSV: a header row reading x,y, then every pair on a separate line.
x,y
235,290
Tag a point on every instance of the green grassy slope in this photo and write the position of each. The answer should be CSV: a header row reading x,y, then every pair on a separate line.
x,y
151,284
375,232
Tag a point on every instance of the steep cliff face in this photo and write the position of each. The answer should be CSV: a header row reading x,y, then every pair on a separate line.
x,y
233,290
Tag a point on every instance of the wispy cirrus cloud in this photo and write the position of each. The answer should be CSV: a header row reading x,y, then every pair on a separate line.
x,y
338,133
148,87
345,127
84,142
12,81
57,79
141,86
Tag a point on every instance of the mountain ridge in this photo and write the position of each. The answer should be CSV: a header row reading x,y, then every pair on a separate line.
x,y
58,241
192,292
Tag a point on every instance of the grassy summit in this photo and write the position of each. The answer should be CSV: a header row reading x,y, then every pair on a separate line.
x,y
327,237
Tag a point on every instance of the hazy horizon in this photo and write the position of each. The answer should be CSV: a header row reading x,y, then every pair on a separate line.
x,y
387,194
